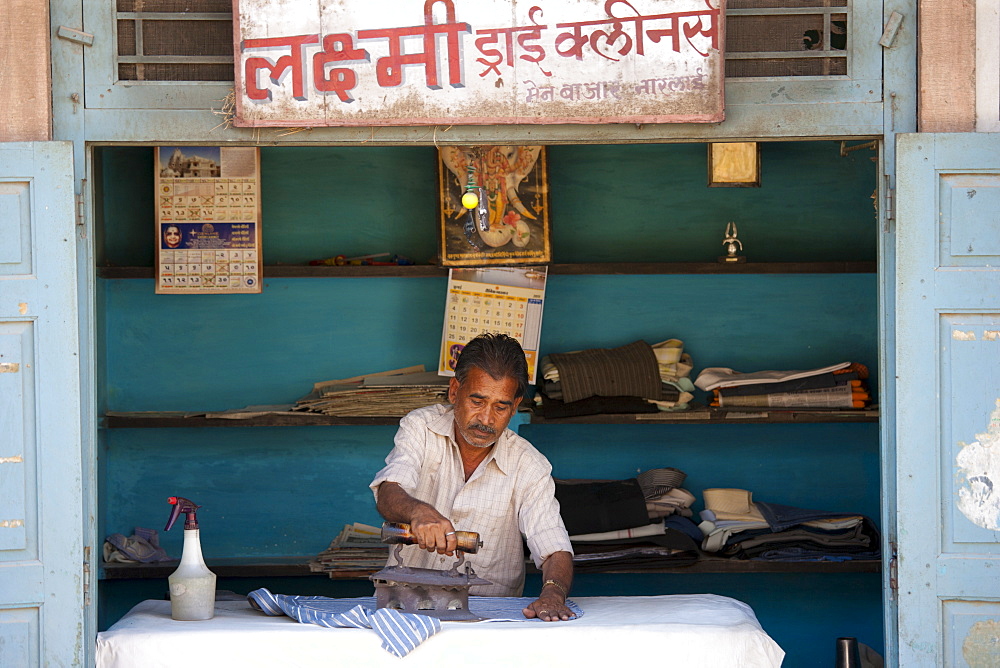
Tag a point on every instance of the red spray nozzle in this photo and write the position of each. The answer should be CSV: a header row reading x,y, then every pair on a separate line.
x,y
186,506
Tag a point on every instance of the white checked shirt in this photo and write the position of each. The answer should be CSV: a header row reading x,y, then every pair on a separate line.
x,y
511,493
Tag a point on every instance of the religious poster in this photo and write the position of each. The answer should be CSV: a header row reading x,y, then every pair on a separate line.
x,y
208,236
510,222
498,300
407,62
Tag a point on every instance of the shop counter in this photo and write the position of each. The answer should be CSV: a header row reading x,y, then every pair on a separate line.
x,y
702,630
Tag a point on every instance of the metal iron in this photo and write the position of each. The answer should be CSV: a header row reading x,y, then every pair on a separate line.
x,y
426,591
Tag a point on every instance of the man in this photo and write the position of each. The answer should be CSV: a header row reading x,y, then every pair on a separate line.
x,y
459,467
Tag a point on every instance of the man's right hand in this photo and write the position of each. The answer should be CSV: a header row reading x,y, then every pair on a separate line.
x,y
432,530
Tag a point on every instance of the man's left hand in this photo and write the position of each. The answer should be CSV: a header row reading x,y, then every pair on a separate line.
x,y
549,608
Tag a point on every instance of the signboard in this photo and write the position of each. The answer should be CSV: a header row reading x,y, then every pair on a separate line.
x,y
425,62
207,220
500,300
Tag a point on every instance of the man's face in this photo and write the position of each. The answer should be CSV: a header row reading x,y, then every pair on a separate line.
x,y
173,237
483,407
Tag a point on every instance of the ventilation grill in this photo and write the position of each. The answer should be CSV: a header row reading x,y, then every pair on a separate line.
x,y
192,40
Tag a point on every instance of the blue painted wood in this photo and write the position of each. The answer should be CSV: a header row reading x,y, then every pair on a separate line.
x,y
947,319
41,509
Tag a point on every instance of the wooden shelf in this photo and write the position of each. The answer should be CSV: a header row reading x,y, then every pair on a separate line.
x,y
607,268
160,420
299,567
164,420
716,416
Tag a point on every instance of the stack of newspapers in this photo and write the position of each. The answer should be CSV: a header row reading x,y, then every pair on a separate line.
x,y
358,549
387,393
840,386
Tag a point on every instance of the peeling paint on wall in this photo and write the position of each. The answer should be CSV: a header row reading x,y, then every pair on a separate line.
x,y
17,459
959,335
981,648
11,524
9,367
979,464
22,308
991,335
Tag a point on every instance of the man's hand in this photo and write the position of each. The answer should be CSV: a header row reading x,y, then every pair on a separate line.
x,y
557,571
549,608
432,530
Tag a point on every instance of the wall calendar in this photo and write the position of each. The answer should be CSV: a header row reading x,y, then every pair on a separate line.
x,y
207,220
504,300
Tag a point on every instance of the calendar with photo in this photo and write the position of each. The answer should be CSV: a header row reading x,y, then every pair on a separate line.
x,y
208,236
504,300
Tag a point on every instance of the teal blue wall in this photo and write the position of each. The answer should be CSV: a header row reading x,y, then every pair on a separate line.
x,y
288,491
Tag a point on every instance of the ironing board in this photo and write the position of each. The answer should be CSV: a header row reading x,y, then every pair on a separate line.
x,y
702,630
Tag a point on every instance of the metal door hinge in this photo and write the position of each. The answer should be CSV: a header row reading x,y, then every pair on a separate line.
x,y
86,575
81,209
888,204
893,570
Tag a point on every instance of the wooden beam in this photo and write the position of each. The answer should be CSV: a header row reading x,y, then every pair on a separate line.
x,y
947,66
26,105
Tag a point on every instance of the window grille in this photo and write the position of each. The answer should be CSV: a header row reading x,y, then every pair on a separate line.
x,y
192,40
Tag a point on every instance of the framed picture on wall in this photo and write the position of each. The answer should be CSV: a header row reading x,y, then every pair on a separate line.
x,y
494,205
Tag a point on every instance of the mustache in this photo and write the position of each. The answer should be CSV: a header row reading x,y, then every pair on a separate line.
x,y
478,426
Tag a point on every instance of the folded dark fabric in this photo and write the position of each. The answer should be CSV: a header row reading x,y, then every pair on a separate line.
x,y
627,371
589,506
553,408
672,538
797,385
639,556
685,525
553,390
860,542
780,517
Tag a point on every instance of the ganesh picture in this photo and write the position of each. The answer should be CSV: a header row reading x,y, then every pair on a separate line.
x,y
508,220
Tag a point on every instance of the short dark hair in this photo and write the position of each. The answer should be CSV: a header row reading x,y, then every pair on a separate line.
x,y
499,355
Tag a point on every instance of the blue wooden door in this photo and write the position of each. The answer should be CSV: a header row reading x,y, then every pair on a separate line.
x,y
41,523
948,399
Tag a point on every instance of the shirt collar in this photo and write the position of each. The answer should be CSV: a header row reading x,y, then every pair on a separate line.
x,y
444,425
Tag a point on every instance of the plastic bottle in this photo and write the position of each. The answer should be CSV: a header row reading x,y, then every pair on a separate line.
x,y
192,585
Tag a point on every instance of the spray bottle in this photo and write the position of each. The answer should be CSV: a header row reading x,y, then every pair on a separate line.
x,y
192,585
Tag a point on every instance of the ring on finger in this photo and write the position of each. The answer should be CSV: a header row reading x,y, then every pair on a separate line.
x,y
450,533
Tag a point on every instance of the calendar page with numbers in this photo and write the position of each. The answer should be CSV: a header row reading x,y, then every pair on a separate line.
x,y
207,220
504,300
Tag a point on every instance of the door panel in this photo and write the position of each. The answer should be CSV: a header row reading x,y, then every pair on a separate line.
x,y
948,399
41,523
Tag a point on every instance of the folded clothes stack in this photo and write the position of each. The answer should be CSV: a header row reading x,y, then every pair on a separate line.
x,y
733,525
642,522
635,378
840,386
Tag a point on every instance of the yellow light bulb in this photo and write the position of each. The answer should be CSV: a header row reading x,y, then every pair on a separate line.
x,y
470,200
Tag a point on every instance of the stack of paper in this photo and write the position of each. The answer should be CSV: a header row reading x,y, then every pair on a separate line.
x,y
388,393
839,386
358,547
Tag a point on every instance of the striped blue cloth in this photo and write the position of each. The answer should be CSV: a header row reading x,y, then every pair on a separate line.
x,y
401,632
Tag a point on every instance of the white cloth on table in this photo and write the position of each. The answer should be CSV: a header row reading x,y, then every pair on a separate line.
x,y
673,631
